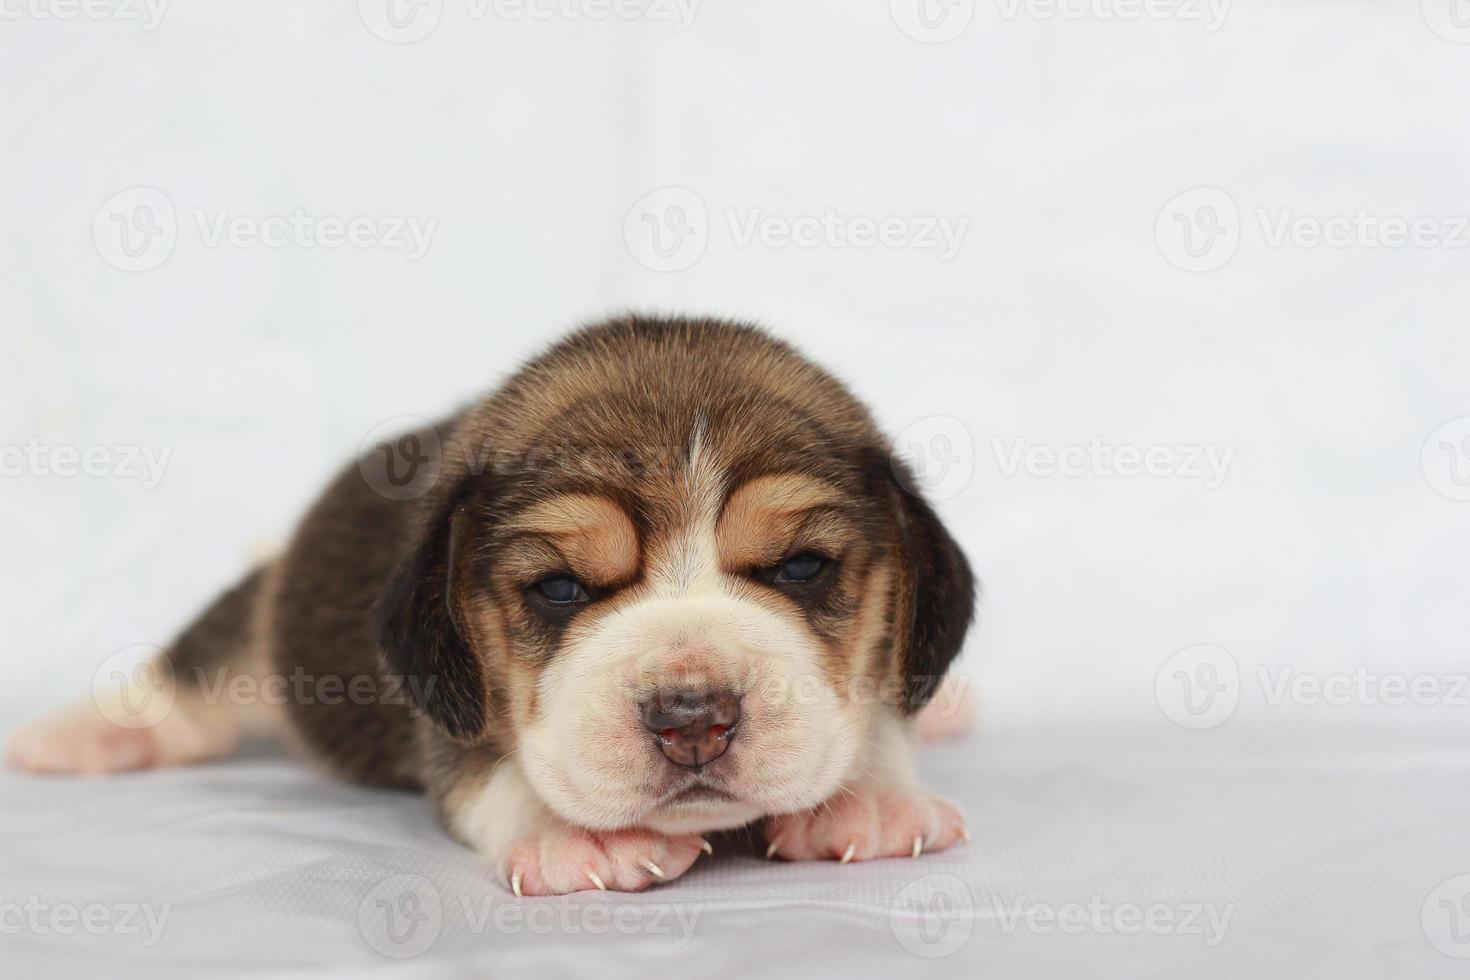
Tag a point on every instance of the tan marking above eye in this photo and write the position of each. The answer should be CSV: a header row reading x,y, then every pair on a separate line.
x,y
594,534
762,518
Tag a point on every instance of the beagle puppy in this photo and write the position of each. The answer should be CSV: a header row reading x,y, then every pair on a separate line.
x,y
667,580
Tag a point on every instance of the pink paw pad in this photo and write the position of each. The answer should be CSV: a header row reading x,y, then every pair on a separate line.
x,y
562,860
867,823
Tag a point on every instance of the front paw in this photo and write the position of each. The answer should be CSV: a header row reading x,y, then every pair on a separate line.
x,y
865,822
560,859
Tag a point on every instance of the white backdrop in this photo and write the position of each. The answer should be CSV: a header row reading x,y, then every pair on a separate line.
x,y
1233,234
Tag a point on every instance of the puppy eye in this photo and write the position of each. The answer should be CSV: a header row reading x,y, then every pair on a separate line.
x,y
800,568
562,590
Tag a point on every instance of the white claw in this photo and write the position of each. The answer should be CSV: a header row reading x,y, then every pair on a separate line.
x,y
847,854
965,835
706,846
515,883
771,851
654,869
918,847
596,880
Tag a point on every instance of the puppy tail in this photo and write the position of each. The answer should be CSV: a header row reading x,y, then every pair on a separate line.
x,y
185,706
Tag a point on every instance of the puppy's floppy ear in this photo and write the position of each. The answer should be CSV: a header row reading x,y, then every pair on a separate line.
x,y
935,600
420,619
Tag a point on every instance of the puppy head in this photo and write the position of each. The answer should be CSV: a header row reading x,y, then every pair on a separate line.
x,y
671,568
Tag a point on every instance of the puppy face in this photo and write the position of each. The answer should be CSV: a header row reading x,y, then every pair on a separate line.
x,y
679,597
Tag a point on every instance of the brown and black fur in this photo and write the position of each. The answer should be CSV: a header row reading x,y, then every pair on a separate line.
x,y
396,590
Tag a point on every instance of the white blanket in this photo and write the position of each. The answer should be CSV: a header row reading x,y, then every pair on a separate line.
x,y
1095,856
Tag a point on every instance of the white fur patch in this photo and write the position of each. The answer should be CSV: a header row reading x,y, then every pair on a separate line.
x,y
587,754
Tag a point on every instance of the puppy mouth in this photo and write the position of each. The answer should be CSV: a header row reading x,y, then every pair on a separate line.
x,y
703,794
697,792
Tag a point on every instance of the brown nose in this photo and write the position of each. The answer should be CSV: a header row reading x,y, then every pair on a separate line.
x,y
692,728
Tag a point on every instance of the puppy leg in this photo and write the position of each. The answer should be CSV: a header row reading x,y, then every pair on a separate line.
x,y
176,710
884,812
538,853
